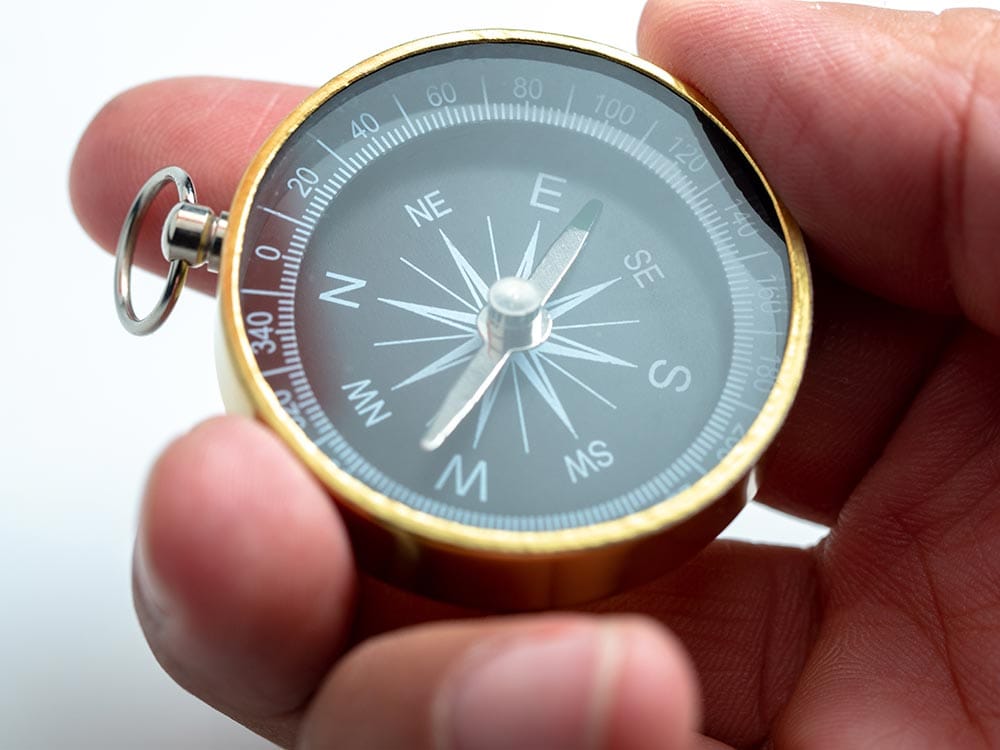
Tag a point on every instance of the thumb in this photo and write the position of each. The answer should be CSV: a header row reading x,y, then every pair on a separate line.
x,y
553,681
878,129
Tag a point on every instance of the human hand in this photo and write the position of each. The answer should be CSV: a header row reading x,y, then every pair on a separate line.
x,y
880,132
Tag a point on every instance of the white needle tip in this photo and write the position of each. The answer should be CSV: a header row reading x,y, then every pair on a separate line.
x,y
588,215
429,443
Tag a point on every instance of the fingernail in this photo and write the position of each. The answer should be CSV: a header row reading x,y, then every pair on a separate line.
x,y
541,691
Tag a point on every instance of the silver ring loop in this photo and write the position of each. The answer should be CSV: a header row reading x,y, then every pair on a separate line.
x,y
125,251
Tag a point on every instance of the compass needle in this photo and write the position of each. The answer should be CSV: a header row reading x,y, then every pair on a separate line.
x,y
514,319
521,302
482,369
557,261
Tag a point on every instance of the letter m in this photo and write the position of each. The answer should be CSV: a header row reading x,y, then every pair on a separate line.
x,y
581,467
464,483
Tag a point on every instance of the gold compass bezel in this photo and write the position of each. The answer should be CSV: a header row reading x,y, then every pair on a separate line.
x,y
414,532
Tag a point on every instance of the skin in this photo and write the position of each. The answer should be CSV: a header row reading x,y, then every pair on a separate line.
x,y
879,131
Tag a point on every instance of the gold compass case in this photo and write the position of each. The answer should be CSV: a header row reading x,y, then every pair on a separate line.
x,y
494,568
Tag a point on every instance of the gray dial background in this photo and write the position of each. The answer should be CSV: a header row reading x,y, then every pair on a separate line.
x,y
388,210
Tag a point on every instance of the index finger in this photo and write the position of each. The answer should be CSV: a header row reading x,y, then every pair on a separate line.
x,y
210,127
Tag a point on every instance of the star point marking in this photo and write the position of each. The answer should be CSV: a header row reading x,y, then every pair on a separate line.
x,y
525,368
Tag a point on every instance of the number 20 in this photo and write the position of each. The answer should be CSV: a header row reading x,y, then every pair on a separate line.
x,y
304,177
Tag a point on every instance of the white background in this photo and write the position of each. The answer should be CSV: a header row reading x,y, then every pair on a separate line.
x,y
84,407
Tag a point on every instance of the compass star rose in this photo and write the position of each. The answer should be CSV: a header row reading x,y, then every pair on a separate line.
x,y
536,367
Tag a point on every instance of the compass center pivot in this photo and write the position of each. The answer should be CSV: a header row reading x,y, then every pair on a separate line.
x,y
514,318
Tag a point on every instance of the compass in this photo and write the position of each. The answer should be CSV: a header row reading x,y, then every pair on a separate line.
x,y
524,304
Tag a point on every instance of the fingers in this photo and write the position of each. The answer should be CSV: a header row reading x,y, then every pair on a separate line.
x,y
910,644
210,127
549,682
244,589
243,578
877,129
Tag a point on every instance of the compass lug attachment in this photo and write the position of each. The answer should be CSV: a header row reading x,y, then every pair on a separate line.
x,y
194,234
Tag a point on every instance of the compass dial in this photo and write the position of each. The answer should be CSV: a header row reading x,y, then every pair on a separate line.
x,y
405,288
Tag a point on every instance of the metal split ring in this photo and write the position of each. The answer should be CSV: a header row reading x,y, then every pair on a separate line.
x,y
125,252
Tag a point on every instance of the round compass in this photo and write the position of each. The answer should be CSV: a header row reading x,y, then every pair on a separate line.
x,y
524,304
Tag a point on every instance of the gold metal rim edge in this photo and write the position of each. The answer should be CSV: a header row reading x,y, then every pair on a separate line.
x,y
431,529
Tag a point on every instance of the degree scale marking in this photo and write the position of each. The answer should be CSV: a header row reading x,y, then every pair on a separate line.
x,y
666,169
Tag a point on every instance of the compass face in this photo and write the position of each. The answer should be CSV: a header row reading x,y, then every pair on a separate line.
x,y
397,241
